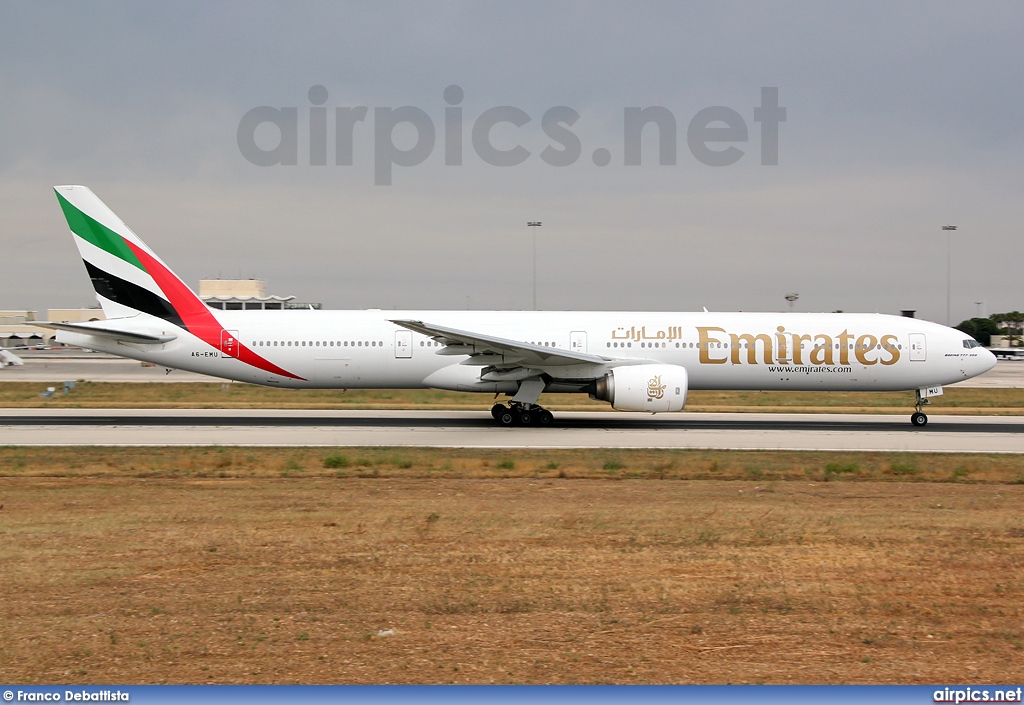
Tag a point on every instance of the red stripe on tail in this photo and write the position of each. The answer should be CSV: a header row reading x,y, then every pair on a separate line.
x,y
196,315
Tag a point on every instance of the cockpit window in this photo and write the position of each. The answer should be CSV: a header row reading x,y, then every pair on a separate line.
x,y
971,343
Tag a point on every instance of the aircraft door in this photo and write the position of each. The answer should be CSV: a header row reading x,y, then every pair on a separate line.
x,y
403,343
918,351
229,343
578,341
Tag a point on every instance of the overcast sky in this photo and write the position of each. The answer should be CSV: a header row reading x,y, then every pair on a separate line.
x,y
900,118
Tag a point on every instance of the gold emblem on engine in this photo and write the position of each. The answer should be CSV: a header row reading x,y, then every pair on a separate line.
x,y
655,389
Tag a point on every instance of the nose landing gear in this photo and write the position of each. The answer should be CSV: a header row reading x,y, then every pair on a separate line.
x,y
918,418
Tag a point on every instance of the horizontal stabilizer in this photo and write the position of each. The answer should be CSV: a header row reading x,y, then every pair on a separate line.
x,y
111,332
9,358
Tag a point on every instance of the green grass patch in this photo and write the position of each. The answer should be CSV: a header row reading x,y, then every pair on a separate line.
x,y
660,464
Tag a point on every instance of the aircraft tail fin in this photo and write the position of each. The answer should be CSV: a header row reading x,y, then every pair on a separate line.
x,y
130,280
9,358
128,277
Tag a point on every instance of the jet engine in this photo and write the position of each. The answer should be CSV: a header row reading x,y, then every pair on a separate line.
x,y
651,388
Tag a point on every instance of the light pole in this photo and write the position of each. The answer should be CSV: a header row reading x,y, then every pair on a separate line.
x,y
949,248
534,224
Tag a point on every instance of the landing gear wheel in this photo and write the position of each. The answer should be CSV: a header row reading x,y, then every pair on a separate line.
x,y
545,418
507,417
527,417
497,410
918,418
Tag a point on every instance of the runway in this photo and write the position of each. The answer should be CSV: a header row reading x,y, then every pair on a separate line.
x,y
461,429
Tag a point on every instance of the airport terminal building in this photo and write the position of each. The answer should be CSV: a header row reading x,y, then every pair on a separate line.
x,y
245,295
17,329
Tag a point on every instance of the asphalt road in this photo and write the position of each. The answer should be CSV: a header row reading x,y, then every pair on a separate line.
x,y
965,434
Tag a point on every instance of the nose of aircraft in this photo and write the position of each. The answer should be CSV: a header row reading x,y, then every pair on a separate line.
x,y
986,361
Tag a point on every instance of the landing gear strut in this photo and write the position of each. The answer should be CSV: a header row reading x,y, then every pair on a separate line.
x,y
523,410
520,414
918,418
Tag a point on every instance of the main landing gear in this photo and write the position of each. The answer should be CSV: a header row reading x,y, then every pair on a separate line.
x,y
918,418
520,414
523,409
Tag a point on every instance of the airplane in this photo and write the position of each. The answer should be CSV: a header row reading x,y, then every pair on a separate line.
x,y
9,359
636,361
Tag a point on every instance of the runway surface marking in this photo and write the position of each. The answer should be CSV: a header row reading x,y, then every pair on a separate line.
x,y
264,427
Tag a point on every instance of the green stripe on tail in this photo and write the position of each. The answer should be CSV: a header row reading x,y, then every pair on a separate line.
x,y
98,234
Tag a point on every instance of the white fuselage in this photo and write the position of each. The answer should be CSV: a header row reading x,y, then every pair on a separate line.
x,y
755,351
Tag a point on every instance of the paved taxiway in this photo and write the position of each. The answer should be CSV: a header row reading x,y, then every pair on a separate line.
x,y
965,434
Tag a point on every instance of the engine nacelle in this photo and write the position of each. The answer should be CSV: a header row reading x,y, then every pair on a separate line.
x,y
651,388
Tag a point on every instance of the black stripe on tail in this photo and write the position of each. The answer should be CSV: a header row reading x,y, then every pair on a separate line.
x,y
132,295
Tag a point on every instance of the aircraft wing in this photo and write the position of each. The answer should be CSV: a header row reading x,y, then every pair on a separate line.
x,y
514,352
102,329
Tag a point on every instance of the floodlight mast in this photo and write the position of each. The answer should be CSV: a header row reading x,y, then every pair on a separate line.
x,y
533,225
948,229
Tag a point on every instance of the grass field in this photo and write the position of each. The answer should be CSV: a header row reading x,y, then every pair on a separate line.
x,y
433,566
962,400
454,464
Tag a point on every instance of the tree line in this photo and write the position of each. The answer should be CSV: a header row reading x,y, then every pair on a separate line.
x,y
982,329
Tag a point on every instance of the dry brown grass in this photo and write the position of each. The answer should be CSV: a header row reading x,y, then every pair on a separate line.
x,y
957,400
125,573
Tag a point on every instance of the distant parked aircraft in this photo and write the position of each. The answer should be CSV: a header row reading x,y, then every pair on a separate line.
x,y
7,358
